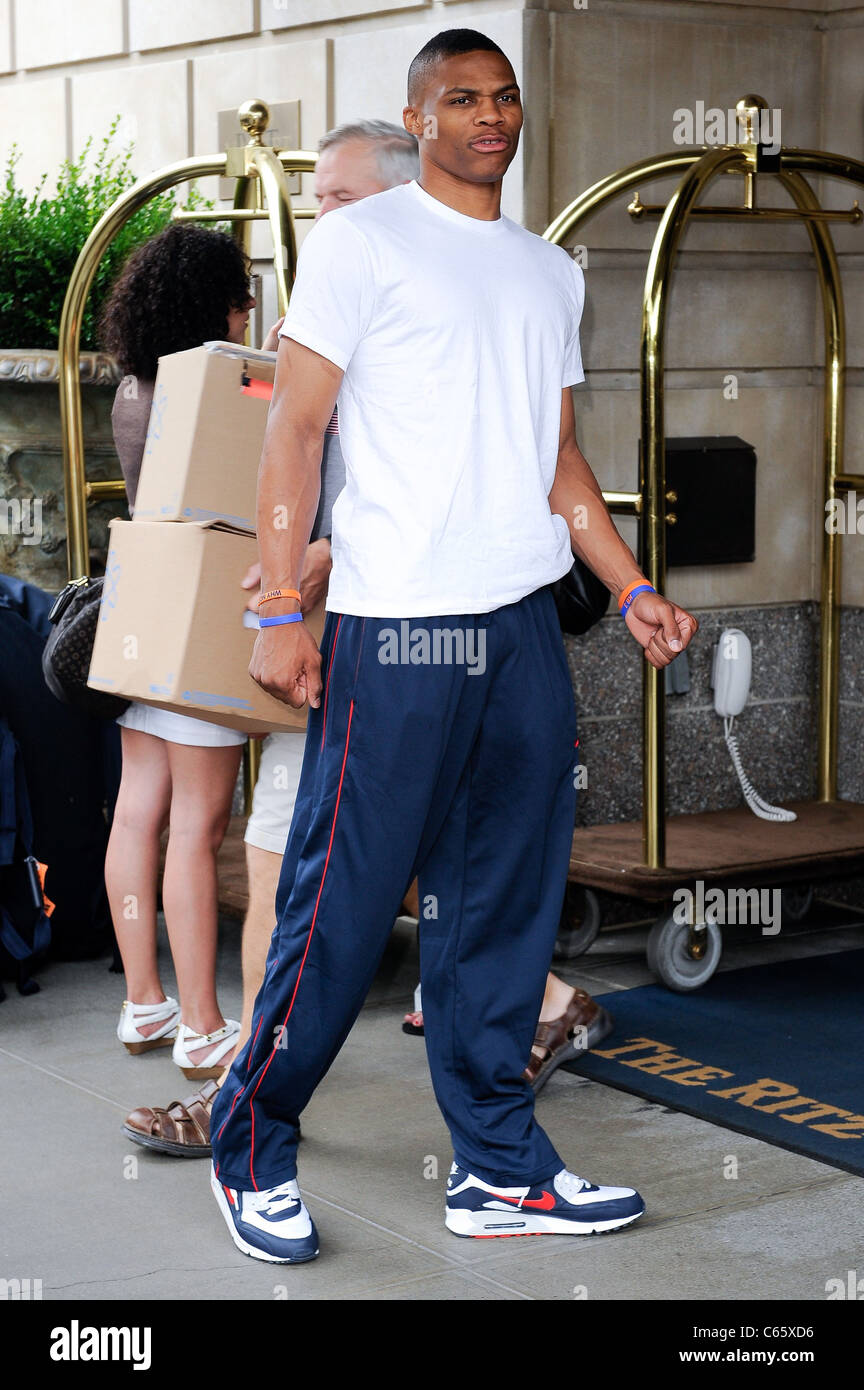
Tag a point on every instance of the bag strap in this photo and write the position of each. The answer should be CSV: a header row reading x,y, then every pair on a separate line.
x,y
16,818
15,944
22,800
8,789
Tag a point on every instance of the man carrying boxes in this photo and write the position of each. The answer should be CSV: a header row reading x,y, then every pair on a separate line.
x,y
356,161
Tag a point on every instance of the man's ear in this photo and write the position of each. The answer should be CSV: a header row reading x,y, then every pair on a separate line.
x,y
412,121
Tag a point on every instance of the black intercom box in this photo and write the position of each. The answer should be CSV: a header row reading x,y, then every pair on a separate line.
x,y
714,477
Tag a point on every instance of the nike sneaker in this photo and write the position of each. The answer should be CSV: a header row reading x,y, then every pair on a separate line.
x,y
271,1225
563,1206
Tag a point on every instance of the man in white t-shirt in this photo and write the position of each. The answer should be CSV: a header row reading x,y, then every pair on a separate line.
x,y
441,731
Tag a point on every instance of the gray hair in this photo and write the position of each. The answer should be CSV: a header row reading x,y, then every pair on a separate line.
x,y
396,149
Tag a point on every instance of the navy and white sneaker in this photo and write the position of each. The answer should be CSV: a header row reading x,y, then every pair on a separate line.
x,y
272,1225
565,1205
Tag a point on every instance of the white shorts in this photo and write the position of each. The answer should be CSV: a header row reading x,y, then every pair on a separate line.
x,y
178,728
275,792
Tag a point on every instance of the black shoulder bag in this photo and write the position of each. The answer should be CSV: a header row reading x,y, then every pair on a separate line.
x,y
580,598
67,653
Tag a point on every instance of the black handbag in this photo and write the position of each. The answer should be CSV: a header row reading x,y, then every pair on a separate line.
x,y
67,653
580,598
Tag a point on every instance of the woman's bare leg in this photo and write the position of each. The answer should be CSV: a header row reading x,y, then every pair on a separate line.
x,y
132,862
202,781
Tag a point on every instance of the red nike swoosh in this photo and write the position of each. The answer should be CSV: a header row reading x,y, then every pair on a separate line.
x,y
545,1203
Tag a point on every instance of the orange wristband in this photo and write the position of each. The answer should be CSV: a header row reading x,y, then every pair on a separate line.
x,y
626,596
278,593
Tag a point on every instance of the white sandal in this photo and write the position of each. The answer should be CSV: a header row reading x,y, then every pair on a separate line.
x,y
166,1014
223,1040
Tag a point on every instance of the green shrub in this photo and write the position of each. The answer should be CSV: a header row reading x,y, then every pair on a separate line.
x,y
41,238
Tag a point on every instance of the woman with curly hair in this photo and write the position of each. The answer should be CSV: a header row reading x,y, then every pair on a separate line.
x,y
184,287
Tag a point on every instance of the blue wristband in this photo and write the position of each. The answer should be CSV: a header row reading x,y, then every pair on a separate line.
x,y
284,618
639,589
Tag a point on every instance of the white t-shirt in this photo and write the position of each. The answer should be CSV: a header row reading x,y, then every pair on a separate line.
x,y
456,337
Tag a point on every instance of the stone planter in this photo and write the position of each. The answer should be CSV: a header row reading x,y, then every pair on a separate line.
x,y
32,501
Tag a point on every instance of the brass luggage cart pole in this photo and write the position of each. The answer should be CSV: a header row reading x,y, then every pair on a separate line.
x,y
649,503
700,167
255,165
832,456
261,194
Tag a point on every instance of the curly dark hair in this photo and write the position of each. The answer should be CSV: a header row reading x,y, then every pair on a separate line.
x,y
174,292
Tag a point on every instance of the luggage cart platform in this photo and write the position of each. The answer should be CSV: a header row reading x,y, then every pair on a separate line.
x,y
723,846
718,848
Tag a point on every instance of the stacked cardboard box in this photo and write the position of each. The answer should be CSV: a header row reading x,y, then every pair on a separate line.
x,y
173,627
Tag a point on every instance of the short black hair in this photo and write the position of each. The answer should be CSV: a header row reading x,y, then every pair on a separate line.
x,y
448,44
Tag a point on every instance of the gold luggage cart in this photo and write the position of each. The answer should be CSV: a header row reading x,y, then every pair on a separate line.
x,y
652,859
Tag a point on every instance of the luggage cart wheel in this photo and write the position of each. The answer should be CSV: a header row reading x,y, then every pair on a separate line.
x,y
683,957
580,922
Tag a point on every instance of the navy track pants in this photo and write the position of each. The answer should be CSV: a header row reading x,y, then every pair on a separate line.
x,y
459,772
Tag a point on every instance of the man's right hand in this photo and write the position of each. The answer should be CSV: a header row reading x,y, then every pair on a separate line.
x,y
287,664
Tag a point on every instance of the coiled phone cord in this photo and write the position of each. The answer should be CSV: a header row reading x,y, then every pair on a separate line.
x,y
757,804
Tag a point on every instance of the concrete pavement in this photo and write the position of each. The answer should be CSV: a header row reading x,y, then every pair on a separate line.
x,y
97,1218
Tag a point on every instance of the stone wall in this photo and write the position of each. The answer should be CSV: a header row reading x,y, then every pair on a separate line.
x,y
776,731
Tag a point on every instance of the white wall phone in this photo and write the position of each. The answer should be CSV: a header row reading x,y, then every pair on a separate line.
x,y
730,679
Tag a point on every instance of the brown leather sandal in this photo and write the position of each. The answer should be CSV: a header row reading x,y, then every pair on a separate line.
x,y
182,1129
583,1024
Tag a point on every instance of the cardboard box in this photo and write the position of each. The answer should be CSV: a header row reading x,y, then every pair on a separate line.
x,y
172,625
204,439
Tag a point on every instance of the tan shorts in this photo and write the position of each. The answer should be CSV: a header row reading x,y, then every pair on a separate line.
x,y
275,792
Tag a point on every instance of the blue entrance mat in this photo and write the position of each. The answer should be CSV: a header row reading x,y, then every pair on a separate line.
x,y
776,1051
